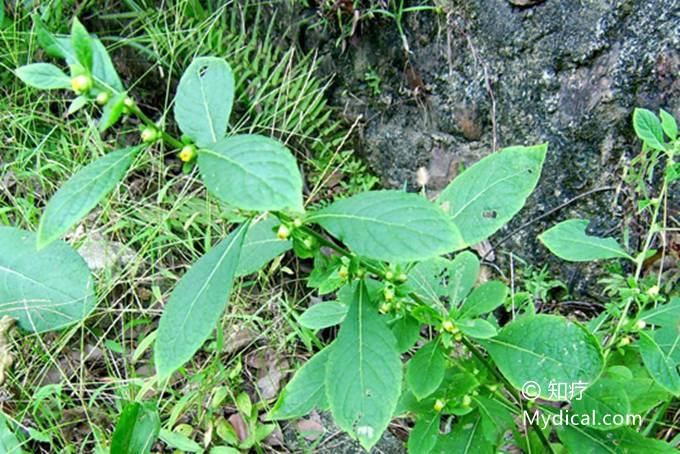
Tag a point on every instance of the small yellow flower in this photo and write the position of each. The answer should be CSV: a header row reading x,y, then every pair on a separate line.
x,y
343,272
449,327
385,308
389,294
467,400
283,233
439,405
81,84
188,153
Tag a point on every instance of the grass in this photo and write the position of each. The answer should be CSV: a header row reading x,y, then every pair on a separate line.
x,y
66,389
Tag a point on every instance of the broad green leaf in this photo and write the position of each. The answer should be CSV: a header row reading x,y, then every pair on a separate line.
x,y
306,391
179,441
364,372
483,299
463,273
544,349
669,125
648,128
78,103
323,315
660,362
477,328
8,441
44,290
583,440
394,226
495,417
252,172
197,303
204,98
569,241
664,314
466,437
606,396
82,192
425,370
427,280
487,195
44,76
112,111
102,67
407,331
224,450
260,247
137,429
424,435
82,44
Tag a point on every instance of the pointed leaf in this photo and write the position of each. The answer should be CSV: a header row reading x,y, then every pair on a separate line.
x,y
323,315
45,290
477,328
466,437
306,391
604,397
112,111
669,125
260,247
252,172
44,76
407,331
487,195
425,371
364,372
544,349
137,429
463,273
8,441
648,128
483,299
82,44
82,192
197,303
660,362
581,439
424,435
394,226
569,241
204,98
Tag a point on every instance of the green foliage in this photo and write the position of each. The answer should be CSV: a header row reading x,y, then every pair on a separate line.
x,y
44,290
137,429
80,194
382,252
569,241
8,441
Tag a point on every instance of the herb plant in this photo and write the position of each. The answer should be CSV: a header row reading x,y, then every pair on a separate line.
x,y
397,263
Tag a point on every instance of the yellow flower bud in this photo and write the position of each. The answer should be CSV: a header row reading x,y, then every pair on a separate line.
x,y
283,233
149,135
385,308
188,153
389,294
81,84
439,405
103,98
624,341
389,275
449,327
467,400
343,271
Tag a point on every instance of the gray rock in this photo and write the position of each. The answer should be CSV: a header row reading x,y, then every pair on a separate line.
x,y
489,73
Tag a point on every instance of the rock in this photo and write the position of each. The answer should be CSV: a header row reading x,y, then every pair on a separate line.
x,y
563,72
101,254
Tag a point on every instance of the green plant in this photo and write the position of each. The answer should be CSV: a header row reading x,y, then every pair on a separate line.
x,y
387,268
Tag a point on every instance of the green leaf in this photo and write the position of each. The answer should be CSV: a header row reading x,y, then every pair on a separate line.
x,y
102,67
82,192
463,273
364,372
323,315
204,98
477,328
427,280
670,127
252,172
137,429
544,349
606,396
78,103
45,290
487,195
466,437
424,435
260,247
179,441
648,128
306,391
44,76
112,111
8,441
569,241
394,226
664,314
495,417
583,440
660,362
197,303
82,44
407,331
483,299
425,370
